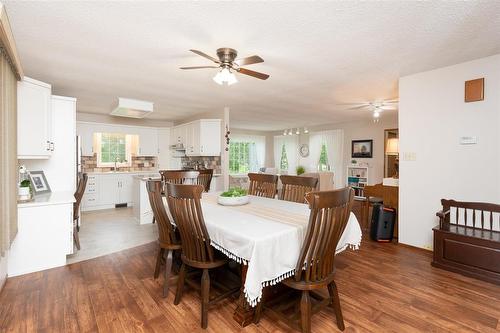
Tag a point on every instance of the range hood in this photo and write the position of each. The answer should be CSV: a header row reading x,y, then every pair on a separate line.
x,y
132,108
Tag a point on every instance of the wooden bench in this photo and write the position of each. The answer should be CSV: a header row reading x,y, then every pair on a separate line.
x,y
467,240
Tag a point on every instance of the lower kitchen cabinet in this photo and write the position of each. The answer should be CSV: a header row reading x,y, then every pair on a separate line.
x,y
45,234
107,190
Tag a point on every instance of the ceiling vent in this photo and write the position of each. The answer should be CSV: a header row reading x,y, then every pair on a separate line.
x,y
132,108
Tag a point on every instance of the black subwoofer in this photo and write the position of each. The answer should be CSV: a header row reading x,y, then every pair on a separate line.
x,y
382,224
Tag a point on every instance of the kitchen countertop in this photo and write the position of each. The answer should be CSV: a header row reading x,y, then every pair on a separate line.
x,y
155,176
122,172
54,198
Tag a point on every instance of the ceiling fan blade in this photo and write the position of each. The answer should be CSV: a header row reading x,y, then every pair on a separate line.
x,y
255,59
358,107
258,75
198,67
205,56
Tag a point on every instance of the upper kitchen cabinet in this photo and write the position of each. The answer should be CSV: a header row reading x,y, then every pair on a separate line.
x,y
34,131
86,133
148,142
203,137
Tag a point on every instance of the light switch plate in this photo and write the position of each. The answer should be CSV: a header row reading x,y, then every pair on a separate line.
x,y
409,156
468,140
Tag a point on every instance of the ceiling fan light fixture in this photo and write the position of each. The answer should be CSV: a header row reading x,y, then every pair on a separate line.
x,y
225,76
376,114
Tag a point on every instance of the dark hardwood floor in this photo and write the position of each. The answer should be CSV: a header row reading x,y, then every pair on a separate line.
x,y
383,288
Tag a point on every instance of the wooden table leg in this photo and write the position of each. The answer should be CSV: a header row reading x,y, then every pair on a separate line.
x,y
244,313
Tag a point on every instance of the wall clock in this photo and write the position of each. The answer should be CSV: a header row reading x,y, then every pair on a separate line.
x,y
304,150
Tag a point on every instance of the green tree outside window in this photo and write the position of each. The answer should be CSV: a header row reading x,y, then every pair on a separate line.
x,y
323,159
284,159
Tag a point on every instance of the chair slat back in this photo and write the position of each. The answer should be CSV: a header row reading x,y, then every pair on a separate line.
x,y
329,215
477,215
184,202
205,178
166,234
80,191
295,187
263,185
179,176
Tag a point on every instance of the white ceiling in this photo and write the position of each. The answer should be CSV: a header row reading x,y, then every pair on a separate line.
x,y
318,54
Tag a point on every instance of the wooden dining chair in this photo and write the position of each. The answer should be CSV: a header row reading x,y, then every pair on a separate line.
x,y
205,178
315,267
179,176
184,201
295,187
263,185
80,190
167,240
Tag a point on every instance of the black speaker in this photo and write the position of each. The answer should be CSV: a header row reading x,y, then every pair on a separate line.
x,y
382,224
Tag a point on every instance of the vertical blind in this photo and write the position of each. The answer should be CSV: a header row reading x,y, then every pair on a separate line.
x,y
8,153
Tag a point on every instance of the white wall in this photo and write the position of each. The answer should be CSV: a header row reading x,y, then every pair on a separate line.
x,y
356,130
432,117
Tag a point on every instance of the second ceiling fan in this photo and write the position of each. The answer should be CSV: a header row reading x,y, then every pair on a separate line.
x,y
228,64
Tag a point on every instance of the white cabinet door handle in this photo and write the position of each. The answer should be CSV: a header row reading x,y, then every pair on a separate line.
x,y
48,145
52,146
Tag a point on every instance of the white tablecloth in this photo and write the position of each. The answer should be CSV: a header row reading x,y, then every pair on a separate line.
x,y
266,235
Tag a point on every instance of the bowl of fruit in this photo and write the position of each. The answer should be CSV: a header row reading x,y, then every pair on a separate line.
x,y
234,197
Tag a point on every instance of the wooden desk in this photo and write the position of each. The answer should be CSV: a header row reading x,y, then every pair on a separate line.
x,y
390,196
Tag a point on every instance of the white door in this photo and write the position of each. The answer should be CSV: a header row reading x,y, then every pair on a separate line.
x,y
108,189
210,137
164,152
33,119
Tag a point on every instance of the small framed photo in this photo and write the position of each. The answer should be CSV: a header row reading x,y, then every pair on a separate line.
x,y
39,183
362,149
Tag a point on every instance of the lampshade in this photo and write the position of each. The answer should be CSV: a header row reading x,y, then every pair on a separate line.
x,y
392,147
225,76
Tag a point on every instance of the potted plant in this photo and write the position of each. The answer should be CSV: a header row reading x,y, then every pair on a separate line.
x,y
300,170
234,197
25,189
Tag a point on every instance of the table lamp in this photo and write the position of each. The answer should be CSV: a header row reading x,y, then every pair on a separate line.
x,y
392,148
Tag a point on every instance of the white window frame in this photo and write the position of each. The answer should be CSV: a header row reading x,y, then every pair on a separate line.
x,y
128,151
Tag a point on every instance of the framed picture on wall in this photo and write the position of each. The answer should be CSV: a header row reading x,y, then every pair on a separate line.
x,y
362,148
39,182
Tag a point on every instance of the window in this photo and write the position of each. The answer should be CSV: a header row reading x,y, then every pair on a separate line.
x,y
113,148
239,157
246,153
323,159
284,159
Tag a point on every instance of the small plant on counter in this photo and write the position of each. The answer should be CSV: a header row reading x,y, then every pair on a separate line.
x,y
300,170
25,183
234,192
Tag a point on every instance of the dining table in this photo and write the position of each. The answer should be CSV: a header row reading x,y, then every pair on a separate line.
x,y
266,237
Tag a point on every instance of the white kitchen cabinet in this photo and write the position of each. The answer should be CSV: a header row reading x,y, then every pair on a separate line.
x,y
164,152
200,138
125,194
86,133
148,142
60,168
45,234
34,136
106,190
209,137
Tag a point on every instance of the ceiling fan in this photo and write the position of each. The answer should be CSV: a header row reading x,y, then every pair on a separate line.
x,y
228,64
377,107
